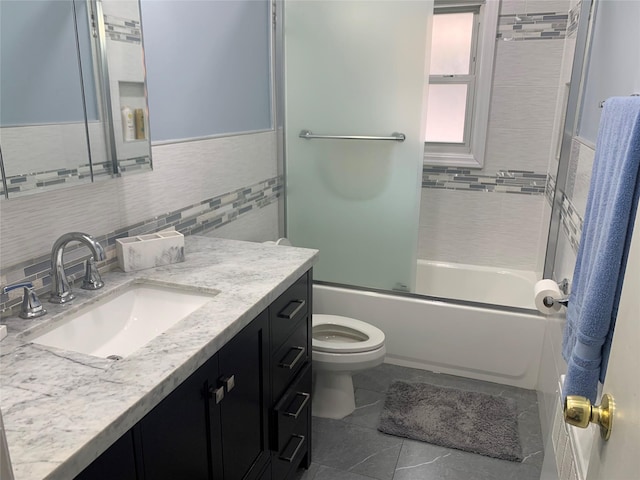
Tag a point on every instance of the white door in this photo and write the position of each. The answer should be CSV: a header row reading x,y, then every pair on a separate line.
x,y
619,457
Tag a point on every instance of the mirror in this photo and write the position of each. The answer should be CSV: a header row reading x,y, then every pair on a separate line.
x,y
72,93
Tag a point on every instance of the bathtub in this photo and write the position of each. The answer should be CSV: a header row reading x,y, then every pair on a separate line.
x,y
493,344
497,286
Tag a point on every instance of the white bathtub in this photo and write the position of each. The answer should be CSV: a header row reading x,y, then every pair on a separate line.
x,y
496,286
484,343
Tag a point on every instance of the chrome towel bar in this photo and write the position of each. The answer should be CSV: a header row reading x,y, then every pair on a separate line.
x,y
395,136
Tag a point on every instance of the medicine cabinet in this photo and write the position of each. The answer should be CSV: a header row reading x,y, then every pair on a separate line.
x,y
72,93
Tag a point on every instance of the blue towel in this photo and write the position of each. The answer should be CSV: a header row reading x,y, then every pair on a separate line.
x,y
604,246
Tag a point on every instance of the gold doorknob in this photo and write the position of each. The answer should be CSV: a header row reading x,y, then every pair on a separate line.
x,y
578,411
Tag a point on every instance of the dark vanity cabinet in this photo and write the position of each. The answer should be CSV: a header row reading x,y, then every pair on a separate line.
x,y
245,414
214,423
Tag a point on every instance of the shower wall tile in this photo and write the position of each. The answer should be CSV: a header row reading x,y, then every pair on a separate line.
x,y
578,182
557,6
523,106
517,149
514,61
509,7
480,228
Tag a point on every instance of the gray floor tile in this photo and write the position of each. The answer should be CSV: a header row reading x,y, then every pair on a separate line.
x,y
352,448
368,407
421,461
380,378
310,474
328,473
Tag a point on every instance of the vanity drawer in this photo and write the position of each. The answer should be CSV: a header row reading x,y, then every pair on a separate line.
x,y
291,426
287,361
288,310
292,409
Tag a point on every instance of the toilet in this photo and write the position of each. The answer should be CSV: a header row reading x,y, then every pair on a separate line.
x,y
341,346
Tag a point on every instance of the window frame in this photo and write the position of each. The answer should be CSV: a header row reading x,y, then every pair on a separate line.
x,y
471,153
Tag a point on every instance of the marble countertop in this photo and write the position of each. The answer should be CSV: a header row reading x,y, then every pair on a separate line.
x,y
62,409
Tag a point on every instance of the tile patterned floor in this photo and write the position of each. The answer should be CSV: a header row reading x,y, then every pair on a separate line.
x,y
353,448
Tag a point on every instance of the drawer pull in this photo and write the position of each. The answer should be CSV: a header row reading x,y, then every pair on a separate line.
x,y
295,450
292,309
295,361
305,400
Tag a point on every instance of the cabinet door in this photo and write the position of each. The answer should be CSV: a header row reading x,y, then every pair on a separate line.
x,y
117,462
174,434
243,370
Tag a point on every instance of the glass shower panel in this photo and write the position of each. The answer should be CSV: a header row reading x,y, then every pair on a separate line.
x,y
356,68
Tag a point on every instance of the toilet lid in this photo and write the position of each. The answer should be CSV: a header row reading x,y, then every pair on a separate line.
x,y
336,334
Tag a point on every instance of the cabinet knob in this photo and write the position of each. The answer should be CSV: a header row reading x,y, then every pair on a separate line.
x,y
217,393
228,382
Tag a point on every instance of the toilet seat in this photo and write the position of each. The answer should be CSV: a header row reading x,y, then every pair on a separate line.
x,y
352,336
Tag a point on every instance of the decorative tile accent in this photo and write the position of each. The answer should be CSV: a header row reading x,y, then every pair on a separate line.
x,y
33,180
574,17
202,217
122,29
550,190
571,223
504,181
136,163
533,26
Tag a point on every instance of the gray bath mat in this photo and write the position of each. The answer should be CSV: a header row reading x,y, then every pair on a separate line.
x,y
470,421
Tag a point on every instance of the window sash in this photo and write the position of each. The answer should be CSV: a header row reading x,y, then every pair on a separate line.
x,y
465,145
469,80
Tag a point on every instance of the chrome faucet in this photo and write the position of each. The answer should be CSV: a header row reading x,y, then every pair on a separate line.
x,y
60,289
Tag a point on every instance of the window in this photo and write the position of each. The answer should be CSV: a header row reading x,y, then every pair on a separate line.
x,y
459,87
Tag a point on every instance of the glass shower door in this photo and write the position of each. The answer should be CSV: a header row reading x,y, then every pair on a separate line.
x,y
355,68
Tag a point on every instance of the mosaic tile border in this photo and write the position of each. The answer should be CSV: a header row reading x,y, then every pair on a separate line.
x,y
504,181
574,17
551,189
122,29
533,26
34,180
572,223
46,178
201,217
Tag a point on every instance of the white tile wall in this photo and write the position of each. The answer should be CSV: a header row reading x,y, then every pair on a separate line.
x,y
184,174
580,176
256,226
48,147
535,63
539,6
523,106
480,228
517,149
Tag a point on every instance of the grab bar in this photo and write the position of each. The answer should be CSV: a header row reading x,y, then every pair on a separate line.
x,y
395,136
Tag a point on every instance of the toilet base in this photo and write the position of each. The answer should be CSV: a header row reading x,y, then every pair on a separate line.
x,y
333,395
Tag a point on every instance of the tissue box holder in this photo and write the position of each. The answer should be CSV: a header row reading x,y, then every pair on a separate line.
x,y
148,251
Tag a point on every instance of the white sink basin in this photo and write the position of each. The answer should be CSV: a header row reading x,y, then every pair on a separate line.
x,y
122,323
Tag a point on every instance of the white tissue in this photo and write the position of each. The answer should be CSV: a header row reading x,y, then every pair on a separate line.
x,y
547,288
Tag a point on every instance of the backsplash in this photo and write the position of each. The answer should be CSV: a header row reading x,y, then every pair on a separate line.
x,y
204,216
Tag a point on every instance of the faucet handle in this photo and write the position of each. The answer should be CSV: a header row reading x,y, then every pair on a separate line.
x,y
92,279
31,306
